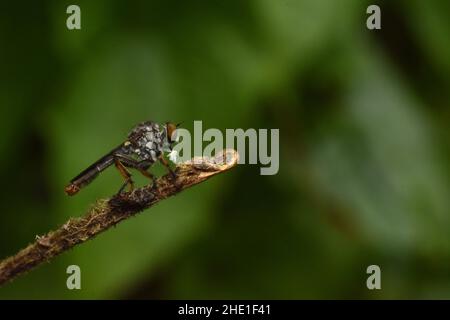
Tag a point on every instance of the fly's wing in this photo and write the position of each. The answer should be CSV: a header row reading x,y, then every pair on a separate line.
x,y
90,173
94,169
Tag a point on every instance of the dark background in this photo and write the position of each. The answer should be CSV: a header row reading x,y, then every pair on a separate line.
x,y
364,153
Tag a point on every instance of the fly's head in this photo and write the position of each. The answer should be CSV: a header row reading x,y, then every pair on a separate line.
x,y
170,138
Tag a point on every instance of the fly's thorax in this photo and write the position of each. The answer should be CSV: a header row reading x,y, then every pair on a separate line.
x,y
148,146
148,140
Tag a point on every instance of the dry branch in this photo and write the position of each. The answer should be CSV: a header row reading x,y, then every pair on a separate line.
x,y
108,212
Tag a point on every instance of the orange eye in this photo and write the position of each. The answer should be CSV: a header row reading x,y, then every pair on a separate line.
x,y
171,127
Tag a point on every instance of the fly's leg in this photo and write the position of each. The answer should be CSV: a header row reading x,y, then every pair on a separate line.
x,y
141,166
125,174
166,164
149,175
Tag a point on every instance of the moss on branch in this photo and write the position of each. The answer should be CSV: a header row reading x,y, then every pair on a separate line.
x,y
106,213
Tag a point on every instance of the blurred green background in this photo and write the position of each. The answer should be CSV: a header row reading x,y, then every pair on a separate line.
x,y
364,145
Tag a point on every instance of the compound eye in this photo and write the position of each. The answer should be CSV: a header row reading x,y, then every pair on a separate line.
x,y
171,127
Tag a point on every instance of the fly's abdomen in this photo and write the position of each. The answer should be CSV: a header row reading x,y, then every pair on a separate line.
x,y
88,175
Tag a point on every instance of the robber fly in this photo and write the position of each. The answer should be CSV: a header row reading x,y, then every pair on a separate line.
x,y
144,146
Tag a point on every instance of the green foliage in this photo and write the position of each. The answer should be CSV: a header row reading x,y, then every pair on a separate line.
x,y
363,117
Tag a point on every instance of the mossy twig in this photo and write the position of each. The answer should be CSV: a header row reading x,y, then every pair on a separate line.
x,y
109,212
